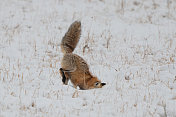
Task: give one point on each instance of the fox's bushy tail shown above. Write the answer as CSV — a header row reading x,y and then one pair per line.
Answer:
x,y
71,38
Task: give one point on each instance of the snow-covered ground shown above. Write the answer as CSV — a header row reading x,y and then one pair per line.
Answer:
x,y
129,44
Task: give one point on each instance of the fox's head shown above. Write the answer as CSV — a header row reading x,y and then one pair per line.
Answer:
x,y
94,83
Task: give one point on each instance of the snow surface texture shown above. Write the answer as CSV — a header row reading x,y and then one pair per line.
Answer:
x,y
129,44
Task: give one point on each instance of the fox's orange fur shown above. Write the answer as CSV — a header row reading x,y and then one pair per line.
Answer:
x,y
74,67
84,81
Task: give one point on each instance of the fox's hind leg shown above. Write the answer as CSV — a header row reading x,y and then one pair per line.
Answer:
x,y
65,76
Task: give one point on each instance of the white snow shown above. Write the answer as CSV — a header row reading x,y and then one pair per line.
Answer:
x,y
129,44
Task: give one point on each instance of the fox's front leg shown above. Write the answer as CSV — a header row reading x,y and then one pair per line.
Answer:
x,y
65,77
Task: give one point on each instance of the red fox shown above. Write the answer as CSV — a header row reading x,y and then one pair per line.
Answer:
x,y
74,67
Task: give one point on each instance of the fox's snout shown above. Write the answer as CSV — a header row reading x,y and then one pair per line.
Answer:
x,y
102,84
98,83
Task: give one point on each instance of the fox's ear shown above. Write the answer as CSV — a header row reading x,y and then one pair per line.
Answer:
x,y
103,84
